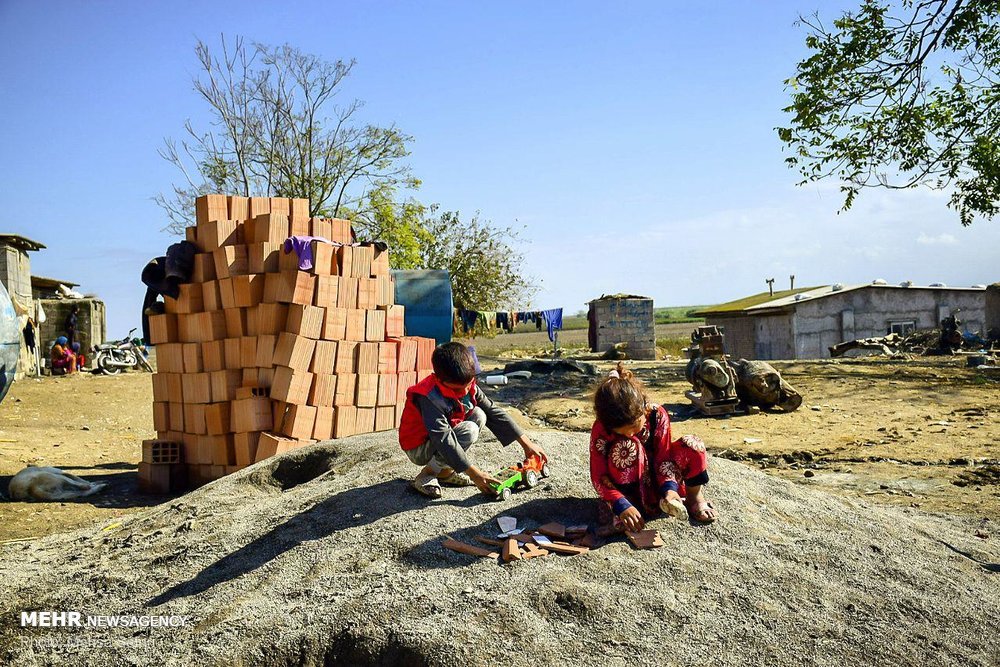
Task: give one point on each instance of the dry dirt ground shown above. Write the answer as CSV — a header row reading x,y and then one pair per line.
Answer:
x,y
920,433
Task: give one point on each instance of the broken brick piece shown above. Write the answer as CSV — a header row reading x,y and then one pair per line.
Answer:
x,y
554,530
566,549
531,550
490,541
510,550
469,549
644,539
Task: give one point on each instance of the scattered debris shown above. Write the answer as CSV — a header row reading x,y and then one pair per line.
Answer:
x,y
644,539
531,550
511,551
553,530
759,384
470,549
543,367
525,545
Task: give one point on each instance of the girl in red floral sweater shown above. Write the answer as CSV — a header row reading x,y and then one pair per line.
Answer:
x,y
637,468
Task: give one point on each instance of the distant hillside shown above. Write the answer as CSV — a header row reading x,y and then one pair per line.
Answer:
x,y
677,314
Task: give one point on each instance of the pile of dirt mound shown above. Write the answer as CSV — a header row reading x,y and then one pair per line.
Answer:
x,y
324,556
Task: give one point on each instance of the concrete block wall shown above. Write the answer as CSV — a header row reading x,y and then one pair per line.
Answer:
x,y
627,321
740,335
819,323
15,273
992,314
91,324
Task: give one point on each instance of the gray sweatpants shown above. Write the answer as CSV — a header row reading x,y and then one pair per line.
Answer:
x,y
466,433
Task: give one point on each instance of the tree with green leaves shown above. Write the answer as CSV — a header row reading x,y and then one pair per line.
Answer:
x,y
276,130
483,260
901,95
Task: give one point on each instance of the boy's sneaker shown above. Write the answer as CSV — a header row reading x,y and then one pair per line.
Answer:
x,y
427,484
456,479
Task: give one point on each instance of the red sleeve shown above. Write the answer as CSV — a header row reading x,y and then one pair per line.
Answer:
x,y
599,466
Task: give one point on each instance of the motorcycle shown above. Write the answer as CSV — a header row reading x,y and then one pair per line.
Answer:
x,y
111,358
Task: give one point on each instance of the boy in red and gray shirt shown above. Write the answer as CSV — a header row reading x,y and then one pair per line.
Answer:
x,y
443,417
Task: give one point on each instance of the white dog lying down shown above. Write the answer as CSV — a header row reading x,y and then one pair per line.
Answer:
x,y
34,483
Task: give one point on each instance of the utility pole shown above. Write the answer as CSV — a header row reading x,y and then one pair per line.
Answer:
x,y
770,285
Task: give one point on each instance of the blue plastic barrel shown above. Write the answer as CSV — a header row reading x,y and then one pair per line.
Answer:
x,y
426,297
10,342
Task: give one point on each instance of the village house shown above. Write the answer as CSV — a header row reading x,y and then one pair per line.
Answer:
x,y
46,300
803,323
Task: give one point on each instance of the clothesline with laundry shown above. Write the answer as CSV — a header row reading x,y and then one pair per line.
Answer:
x,y
466,321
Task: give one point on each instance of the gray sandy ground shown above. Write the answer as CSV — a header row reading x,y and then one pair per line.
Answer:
x,y
324,556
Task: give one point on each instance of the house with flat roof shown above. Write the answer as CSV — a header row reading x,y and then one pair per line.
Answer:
x,y
803,323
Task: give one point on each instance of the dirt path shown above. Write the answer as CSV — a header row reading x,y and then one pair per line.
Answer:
x,y
88,425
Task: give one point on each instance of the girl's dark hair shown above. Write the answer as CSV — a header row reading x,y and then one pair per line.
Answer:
x,y
619,401
453,363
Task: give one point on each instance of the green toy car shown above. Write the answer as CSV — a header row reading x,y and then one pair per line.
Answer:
x,y
528,473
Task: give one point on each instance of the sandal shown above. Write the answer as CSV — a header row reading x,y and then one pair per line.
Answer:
x,y
456,479
427,485
699,512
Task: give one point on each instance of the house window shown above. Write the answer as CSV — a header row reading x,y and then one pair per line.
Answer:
x,y
902,327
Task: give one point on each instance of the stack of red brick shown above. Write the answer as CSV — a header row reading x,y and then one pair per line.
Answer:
x,y
257,356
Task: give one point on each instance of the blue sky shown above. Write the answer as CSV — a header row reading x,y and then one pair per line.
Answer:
x,y
633,141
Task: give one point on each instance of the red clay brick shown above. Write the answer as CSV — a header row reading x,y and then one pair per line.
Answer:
x,y
263,257
291,386
239,208
335,324
203,268
361,262
347,357
224,384
323,389
294,351
344,421
324,357
326,291
305,320
298,421
237,322
347,384
368,358
230,260
347,292
245,447
162,328
323,430
252,414
367,390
